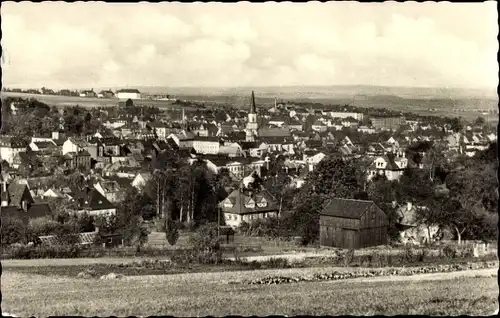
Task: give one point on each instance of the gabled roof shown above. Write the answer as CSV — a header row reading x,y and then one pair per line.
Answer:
x,y
239,198
90,198
346,208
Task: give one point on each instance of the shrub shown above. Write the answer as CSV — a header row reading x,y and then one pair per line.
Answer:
x,y
450,251
348,257
205,244
12,231
43,226
278,262
43,251
407,254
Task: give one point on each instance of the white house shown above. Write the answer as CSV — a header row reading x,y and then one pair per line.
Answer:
x,y
140,180
392,168
313,161
128,94
72,145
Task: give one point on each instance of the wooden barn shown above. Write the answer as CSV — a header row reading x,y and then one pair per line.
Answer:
x,y
346,223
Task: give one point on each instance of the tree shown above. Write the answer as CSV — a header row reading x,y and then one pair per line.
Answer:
x,y
13,230
480,121
332,178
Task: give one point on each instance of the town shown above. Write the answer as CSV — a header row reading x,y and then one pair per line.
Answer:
x,y
248,160
91,161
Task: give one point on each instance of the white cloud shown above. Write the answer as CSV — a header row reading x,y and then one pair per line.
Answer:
x,y
93,44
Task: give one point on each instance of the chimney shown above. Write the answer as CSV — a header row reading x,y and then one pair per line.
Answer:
x,y
55,135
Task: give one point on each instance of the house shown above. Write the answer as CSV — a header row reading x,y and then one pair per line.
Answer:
x,y
80,159
128,94
42,146
90,93
183,140
17,202
390,166
141,180
319,126
74,145
247,204
411,230
10,147
110,189
314,160
160,129
346,223
106,94
91,201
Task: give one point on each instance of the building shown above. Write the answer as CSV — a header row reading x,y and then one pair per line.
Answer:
x,y
10,147
106,94
206,145
141,180
346,223
390,166
357,116
247,204
17,202
252,125
91,201
90,93
128,94
387,123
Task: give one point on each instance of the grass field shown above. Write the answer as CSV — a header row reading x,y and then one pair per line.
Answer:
x,y
209,294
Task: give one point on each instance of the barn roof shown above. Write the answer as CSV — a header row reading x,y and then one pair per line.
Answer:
x,y
346,208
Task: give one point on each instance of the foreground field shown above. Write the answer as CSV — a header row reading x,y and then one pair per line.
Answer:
x,y
468,293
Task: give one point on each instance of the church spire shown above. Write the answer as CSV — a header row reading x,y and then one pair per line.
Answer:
x,y
253,109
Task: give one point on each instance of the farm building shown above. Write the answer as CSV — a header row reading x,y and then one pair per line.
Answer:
x,y
128,93
346,223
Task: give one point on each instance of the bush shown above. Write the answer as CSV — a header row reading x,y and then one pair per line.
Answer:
x,y
43,226
13,230
205,244
450,251
348,257
43,251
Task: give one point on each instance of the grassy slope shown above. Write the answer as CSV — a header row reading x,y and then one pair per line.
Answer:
x,y
207,294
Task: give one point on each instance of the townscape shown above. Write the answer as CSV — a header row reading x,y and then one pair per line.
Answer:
x,y
158,194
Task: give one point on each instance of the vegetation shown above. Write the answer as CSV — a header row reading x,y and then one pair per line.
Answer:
x,y
208,294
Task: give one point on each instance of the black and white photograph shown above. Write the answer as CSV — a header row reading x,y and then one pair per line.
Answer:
x,y
249,159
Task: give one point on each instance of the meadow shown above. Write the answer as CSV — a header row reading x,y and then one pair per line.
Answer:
x,y
26,294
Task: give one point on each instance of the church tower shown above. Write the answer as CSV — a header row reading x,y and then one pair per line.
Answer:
x,y
252,125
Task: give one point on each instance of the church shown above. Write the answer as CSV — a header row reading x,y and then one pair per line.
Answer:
x,y
252,125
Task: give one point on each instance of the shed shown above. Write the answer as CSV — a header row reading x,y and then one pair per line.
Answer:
x,y
346,223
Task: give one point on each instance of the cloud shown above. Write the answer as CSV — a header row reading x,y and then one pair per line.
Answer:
x,y
99,44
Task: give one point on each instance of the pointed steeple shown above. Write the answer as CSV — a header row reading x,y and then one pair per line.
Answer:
x,y
253,109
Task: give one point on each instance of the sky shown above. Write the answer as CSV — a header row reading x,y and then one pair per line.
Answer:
x,y
83,45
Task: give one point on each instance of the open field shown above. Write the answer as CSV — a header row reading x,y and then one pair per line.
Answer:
x,y
468,293
65,101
